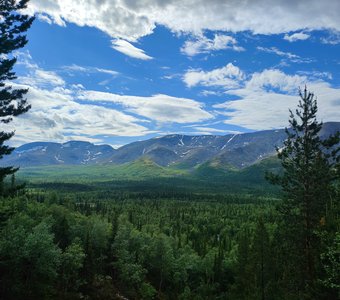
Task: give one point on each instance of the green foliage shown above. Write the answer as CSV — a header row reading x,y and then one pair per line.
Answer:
x,y
155,239
12,101
309,172
72,260
331,263
129,248
29,259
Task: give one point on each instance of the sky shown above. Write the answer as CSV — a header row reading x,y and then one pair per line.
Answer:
x,y
118,71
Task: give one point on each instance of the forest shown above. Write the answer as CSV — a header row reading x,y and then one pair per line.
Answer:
x,y
141,241
76,244
169,239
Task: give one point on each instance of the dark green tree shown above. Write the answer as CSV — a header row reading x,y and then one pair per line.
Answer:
x,y
72,260
262,262
13,26
29,260
309,171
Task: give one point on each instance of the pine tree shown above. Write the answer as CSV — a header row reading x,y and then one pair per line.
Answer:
x,y
261,260
13,25
307,183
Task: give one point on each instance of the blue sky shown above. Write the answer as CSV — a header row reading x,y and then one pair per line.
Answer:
x,y
119,71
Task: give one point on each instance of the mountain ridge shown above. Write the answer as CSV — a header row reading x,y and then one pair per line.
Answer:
x,y
175,151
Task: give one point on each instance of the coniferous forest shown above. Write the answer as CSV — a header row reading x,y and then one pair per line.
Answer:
x,y
67,243
64,241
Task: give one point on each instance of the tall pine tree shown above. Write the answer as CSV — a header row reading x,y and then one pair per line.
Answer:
x,y
13,26
309,171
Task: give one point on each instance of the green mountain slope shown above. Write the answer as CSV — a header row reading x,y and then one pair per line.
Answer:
x,y
144,175
138,170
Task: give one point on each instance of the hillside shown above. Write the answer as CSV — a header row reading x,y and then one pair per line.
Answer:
x,y
179,151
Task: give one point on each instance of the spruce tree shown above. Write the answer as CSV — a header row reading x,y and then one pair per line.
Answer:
x,y
13,26
309,170
262,261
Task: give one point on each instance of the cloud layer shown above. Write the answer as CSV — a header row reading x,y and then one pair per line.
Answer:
x,y
264,100
130,20
62,112
257,101
160,108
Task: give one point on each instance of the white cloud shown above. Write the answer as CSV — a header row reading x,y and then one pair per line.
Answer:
x,y
86,69
276,51
228,77
275,80
202,44
298,36
57,116
130,50
45,18
160,108
287,55
207,93
106,71
332,39
264,100
208,130
38,77
131,20
315,75
112,17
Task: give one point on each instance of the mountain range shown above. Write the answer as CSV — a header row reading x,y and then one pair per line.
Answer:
x,y
232,151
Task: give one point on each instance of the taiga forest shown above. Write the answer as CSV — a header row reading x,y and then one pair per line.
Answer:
x,y
245,212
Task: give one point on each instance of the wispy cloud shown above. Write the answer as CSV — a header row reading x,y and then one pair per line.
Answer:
x,y
332,39
208,130
87,69
129,49
38,77
202,44
278,52
288,56
159,108
297,36
208,93
56,115
316,75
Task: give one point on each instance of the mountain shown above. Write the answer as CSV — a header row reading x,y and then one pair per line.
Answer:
x,y
70,153
232,151
181,151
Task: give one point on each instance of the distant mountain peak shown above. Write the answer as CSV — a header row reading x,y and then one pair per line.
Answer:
x,y
177,150
69,153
